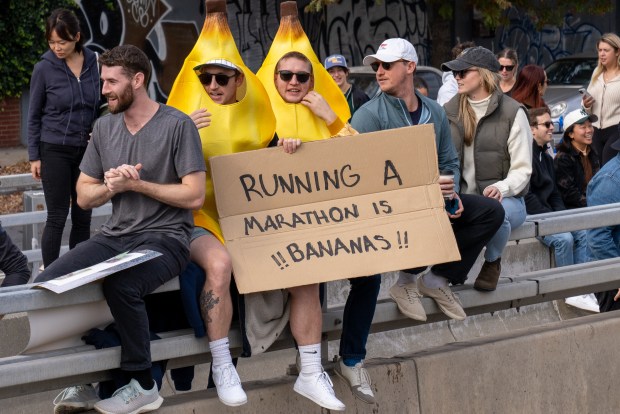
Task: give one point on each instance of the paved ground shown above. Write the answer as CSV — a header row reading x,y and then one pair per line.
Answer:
x,y
13,155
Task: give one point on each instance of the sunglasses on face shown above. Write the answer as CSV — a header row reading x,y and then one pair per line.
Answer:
x,y
220,78
509,68
384,65
546,124
287,75
462,73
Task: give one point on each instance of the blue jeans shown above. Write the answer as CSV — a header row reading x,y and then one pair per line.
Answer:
x,y
478,223
514,207
568,248
124,290
357,317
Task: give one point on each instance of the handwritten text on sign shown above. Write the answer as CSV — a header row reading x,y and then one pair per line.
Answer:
x,y
335,209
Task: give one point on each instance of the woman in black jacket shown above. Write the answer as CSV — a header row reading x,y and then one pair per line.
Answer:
x,y
576,162
64,100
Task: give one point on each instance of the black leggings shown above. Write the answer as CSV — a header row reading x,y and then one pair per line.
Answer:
x,y
602,140
60,169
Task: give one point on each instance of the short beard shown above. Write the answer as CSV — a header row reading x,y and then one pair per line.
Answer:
x,y
124,101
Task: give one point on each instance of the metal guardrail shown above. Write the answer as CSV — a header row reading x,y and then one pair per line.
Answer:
x,y
28,374
18,182
56,369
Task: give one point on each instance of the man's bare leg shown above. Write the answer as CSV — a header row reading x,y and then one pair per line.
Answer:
x,y
216,310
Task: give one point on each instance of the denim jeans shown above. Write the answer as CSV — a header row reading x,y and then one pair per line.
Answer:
x,y
568,248
12,262
357,317
60,169
125,290
480,220
514,208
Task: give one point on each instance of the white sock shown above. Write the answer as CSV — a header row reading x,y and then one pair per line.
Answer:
x,y
433,281
406,278
310,358
220,352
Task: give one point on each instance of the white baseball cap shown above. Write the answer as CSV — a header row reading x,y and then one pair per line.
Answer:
x,y
578,116
392,50
227,64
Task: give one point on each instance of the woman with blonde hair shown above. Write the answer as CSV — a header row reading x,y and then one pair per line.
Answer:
x,y
603,97
491,132
508,67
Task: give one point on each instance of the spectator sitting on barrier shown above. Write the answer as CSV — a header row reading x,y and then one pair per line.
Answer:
x,y
474,222
294,82
576,162
13,263
337,67
146,158
493,139
543,197
604,242
220,79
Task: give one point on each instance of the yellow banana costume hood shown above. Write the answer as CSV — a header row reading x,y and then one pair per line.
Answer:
x,y
295,120
245,125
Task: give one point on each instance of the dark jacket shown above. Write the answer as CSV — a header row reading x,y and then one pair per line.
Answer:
x,y
62,107
543,196
570,177
355,98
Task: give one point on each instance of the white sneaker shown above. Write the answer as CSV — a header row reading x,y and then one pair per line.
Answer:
x,y
407,297
358,379
131,399
586,302
75,399
318,388
228,385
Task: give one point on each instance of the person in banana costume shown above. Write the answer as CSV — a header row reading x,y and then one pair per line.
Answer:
x,y
229,105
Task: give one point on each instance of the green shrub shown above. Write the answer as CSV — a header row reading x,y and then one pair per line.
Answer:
x,y
22,30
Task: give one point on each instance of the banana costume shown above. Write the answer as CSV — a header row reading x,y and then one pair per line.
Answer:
x,y
245,125
295,120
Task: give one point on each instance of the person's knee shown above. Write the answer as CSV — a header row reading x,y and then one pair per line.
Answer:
x,y
218,273
307,293
367,283
562,241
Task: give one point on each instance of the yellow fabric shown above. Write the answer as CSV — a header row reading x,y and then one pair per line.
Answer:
x,y
295,120
245,125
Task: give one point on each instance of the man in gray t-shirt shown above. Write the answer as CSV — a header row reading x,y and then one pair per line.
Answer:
x,y
147,159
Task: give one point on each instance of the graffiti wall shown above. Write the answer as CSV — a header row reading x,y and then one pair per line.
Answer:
x,y
578,34
167,29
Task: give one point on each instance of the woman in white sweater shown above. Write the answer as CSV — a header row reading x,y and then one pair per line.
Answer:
x,y
492,134
603,99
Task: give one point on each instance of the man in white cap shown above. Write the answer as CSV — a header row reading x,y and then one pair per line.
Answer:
x,y
220,79
337,67
474,222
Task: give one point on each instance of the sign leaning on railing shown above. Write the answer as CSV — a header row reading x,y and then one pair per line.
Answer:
x,y
336,209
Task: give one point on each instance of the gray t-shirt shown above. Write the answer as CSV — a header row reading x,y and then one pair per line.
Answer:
x,y
168,147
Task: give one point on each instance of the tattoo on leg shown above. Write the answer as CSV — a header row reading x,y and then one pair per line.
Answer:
x,y
207,302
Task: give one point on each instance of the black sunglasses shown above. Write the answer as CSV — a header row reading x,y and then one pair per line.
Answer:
x,y
509,68
287,75
220,78
546,124
385,65
462,73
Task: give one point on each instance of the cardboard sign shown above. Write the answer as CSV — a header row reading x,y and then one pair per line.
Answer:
x,y
336,209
